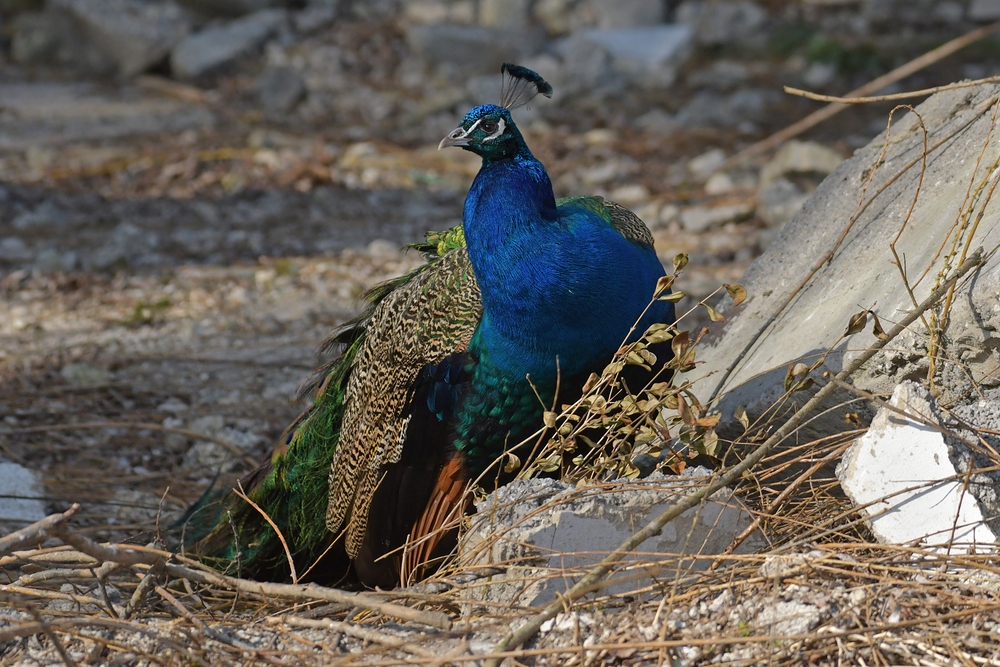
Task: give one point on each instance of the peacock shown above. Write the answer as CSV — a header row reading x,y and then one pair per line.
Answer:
x,y
449,366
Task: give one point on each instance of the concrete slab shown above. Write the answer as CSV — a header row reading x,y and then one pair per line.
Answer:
x,y
546,534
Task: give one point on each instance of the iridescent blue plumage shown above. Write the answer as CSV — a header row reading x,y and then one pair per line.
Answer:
x,y
561,287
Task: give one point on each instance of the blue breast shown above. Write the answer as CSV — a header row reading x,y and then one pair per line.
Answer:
x,y
555,281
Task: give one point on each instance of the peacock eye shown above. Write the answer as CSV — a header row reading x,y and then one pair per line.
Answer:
x,y
489,126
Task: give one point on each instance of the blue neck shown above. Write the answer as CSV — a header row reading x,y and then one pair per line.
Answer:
x,y
539,273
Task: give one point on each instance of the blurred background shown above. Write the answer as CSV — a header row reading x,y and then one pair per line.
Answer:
x,y
193,193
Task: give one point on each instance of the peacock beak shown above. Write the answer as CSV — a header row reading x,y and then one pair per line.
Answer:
x,y
457,137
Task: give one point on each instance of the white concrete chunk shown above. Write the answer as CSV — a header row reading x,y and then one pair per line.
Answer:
x,y
901,472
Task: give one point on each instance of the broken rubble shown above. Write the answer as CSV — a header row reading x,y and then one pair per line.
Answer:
x,y
547,533
213,48
907,477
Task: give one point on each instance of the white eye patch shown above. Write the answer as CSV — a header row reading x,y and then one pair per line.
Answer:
x,y
501,126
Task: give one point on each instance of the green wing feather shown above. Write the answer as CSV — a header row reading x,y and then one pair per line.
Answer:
x,y
625,221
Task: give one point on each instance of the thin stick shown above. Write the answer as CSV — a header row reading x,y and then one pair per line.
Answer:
x,y
831,110
133,556
35,531
358,631
288,552
527,630
910,94
201,625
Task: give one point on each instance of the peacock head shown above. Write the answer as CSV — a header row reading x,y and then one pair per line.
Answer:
x,y
489,130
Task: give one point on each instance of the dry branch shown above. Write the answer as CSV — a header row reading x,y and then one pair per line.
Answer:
x,y
358,631
908,95
55,526
36,531
831,110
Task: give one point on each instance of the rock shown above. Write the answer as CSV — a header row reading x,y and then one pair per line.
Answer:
x,y
949,12
719,183
903,476
472,49
801,157
46,215
721,75
14,249
568,16
280,89
702,218
207,456
217,47
625,13
554,15
127,244
741,109
783,618
984,10
133,35
630,195
819,75
426,12
314,18
647,56
173,405
21,497
37,37
779,201
657,121
230,8
547,532
586,70
51,260
85,375
721,22
704,165
134,508
509,14
861,272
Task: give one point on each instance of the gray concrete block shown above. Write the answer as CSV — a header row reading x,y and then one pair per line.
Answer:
x,y
546,533
861,272
216,47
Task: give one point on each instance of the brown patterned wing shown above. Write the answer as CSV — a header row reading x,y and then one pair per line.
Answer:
x,y
628,223
419,323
